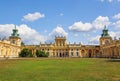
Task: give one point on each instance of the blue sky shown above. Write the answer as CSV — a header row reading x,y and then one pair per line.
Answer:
x,y
78,20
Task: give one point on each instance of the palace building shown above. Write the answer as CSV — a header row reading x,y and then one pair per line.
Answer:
x,y
12,46
109,48
60,48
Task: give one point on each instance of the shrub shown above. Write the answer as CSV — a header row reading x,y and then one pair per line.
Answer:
x,y
41,54
26,53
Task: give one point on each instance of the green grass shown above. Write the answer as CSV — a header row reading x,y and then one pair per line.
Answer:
x,y
57,69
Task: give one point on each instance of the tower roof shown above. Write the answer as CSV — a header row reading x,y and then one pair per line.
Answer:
x,y
15,32
105,32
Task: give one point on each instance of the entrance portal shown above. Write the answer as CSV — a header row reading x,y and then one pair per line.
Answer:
x,y
63,55
90,53
60,55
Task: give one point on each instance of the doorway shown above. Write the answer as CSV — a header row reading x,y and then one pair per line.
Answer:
x,y
90,53
60,55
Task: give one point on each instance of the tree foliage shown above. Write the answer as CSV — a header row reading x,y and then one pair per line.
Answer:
x,y
26,53
22,43
41,53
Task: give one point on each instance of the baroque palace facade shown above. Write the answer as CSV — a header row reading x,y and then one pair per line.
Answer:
x,y
60,48
11,47
109,48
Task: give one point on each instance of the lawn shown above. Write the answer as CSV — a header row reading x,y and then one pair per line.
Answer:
x,y
59,69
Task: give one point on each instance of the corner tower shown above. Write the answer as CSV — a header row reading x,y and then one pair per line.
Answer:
x,y
14,38
105,37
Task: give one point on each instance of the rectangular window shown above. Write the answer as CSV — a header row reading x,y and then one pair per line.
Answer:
x,y
48,49
57,54
71,49
77,50
13,41
71,53
77,53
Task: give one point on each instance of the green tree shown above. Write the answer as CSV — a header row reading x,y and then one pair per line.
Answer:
x,y
41,54
26,53
22,43
30,53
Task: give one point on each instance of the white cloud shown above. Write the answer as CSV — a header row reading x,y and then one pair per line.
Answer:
x,y
94,40
45,31
33,16
6,30
28,35
116,0
100,22
117,16
76,35
79,26
61,14
112,34
58,31
117,24
97,24
110,0
102,0
86,35
118,34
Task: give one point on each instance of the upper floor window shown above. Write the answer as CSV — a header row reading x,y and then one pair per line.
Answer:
x,y
60,43
77,50
13,41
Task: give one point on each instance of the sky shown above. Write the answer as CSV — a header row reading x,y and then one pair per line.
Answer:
x,y
81,21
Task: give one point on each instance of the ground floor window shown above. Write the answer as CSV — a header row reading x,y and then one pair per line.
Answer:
x,y
53,54
57,54
48,53
66,53
77,53
71,53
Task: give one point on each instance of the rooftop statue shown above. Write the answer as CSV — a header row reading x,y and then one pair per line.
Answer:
x,y
15,32
105,32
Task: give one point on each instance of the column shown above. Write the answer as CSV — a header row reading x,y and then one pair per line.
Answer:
x,y
0,50
119,51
